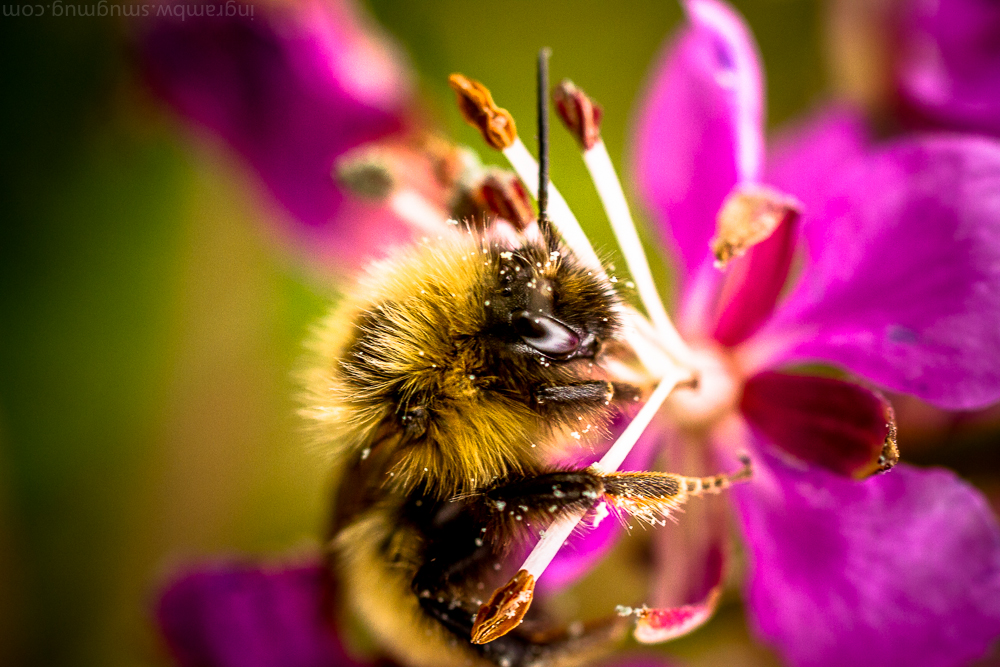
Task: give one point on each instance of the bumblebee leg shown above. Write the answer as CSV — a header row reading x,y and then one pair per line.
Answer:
x,y
545,495
652,496
591,393
460,549
463,534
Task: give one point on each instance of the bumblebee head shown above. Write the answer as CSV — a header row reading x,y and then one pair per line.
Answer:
x,y
544,304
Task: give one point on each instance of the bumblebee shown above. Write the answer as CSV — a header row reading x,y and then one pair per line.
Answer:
x,y
441,387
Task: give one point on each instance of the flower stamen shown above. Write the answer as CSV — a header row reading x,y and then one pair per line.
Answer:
x,y
475,94
582,118
504,195
479,110
371,174
749,215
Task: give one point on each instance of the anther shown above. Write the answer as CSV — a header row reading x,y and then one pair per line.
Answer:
x,y
479,110
379,173
578,112
505,609
749,215
504,196
366,173
889,456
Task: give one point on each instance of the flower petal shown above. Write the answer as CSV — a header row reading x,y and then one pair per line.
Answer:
x,y
245,615
662,625
905,272
751,284
949,67
838,425
901,569
700,126
290,88
689,555
804,158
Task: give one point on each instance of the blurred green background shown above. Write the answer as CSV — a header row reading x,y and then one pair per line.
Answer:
x,y
148,326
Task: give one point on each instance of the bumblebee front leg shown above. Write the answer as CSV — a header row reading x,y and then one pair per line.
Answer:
x,y
460,548
652,496
594,393
544,496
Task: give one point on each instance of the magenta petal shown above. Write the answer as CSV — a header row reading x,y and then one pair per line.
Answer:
x,y
949,67
901,569
662,625
804,158
838,425
289,88
244,615
699,127
690,567
753,282
902,288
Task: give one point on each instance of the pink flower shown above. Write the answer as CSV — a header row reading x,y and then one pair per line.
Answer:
x,y
948,66
292,88
900,287
244,614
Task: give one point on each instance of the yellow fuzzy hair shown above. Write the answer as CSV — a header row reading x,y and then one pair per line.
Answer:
x,y
427,300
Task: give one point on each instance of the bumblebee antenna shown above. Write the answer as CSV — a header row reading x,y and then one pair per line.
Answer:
x,y
544,224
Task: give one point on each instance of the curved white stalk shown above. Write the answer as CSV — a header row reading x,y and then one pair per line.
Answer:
x,y
423,216
609,189
567,224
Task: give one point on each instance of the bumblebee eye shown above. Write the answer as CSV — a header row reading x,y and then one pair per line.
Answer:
x,y
545,334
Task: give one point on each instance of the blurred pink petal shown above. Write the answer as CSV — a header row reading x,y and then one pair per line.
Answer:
x,y
699,128
901,569
949,63
835,424
241,614
902,288
290,88
805,157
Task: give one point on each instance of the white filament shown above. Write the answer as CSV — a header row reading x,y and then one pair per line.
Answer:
x,y
612,196
421,215
527,168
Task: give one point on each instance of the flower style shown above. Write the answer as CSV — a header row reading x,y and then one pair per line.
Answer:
x,y
898,288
